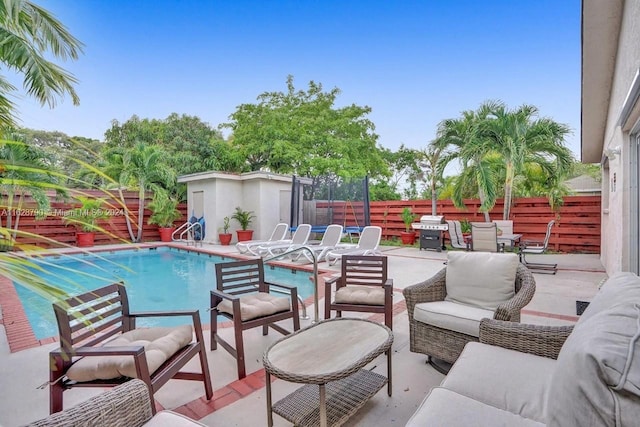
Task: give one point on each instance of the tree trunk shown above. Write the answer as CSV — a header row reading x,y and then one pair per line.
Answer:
x,y
508,190
127,218
140,213
487,218
434,200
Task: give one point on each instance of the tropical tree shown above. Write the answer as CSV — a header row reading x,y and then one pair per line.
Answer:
x,y
30,35
432,169
301,132
191,145
521,138
24,171
463,140
141,167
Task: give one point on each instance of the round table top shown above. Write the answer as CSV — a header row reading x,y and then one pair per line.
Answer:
x,y
329,350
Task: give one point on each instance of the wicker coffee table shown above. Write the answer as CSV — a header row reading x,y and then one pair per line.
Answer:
x,y
328,357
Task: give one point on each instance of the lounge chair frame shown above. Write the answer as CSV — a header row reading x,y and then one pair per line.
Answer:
x,y
103,315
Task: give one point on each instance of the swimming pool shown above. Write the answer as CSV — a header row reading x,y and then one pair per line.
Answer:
x,y
157,279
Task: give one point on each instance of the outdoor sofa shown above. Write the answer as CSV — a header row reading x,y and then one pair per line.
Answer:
x,y
531,375
126,405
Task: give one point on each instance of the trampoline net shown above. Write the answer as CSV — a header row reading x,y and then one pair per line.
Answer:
x,y
325,200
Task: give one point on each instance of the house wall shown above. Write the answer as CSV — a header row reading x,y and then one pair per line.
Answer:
x,y
616,171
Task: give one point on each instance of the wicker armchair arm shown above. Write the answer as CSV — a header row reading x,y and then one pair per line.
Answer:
x,y
510,310
127,404
539,340
432,289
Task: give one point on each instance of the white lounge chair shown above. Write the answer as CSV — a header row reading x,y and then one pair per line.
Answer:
x,y
367,245
277,235
330,241
300,238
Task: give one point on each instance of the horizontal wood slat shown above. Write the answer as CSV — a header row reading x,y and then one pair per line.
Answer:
x,y
577,226
52,225
577,223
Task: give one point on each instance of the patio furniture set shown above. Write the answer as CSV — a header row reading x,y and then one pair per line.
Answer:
x,y
477,295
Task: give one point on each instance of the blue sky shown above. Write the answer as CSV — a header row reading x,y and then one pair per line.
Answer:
x,y
414,63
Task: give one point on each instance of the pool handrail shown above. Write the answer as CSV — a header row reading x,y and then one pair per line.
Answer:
x,y
188,228
316,313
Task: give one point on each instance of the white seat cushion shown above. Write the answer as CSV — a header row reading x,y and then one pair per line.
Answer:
x,y
506,379
257,305
170,419
360,294
159,345
452,316
481,279
446,408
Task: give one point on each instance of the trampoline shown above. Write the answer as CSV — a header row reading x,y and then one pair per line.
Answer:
x,y
325,200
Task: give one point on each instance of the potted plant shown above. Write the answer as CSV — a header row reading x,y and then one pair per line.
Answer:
x,y
164,212
408,236
86,218
224,235
244,218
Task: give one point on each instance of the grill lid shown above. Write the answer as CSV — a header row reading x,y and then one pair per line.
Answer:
x,y
432,219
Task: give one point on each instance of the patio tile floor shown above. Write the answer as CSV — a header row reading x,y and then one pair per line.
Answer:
x,y
24,368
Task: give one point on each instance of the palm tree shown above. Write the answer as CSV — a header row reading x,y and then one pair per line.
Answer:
x,y
464,140
432,171
29,35
521,138
141,167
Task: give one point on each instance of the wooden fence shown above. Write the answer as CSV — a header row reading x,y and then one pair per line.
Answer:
x,y
577,223
53,226
577,226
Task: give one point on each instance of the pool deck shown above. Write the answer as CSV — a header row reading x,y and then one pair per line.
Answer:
x,y
24,361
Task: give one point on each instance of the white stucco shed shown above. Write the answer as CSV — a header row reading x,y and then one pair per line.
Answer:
x,y
215,195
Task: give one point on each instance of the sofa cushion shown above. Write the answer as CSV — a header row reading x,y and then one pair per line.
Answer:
x,y
159,345
619,288
444,407
257,305
481,279
452,316
171,419
597,379
360,294
506,379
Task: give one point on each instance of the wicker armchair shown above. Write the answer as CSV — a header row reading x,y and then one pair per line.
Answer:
x,y
126,405
445,344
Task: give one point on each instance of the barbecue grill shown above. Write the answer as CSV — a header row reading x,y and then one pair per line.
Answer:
x,y
431,229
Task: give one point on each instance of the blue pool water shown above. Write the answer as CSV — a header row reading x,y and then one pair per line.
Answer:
x,y
162,279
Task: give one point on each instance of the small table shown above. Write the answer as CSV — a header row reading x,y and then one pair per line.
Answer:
x,y
512,239
328,358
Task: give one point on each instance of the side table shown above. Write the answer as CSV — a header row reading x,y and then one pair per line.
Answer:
x,y
328,357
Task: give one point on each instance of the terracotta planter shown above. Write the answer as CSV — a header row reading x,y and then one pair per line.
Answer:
x,y
85,239
225,238
165,233
244,235
408,238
